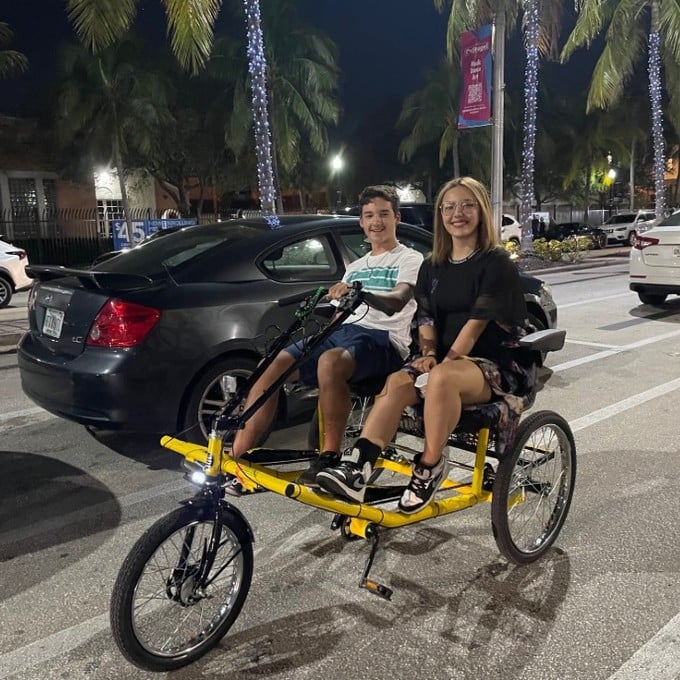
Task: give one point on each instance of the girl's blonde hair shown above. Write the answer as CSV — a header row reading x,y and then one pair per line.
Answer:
x,y
487,233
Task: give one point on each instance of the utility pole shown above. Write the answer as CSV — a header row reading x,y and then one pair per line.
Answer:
x,y
498,119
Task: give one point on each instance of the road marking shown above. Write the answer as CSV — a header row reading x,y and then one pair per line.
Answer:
x,y
611,352
624,405
52,646
657,659
588,301
586,343
21,414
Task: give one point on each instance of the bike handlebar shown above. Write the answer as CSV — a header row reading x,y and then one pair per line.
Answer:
x,y
356,295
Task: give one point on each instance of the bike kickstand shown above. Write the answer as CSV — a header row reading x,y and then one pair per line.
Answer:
x,y
373,586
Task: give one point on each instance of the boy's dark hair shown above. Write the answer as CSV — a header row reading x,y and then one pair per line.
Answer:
x,y
383,191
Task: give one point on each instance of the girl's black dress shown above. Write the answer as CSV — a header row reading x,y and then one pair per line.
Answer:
x,y
486,286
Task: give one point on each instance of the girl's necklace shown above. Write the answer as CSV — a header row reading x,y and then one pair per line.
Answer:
x,y
465,259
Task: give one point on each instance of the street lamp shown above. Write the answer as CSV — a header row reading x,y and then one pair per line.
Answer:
x,y
611,174
337,164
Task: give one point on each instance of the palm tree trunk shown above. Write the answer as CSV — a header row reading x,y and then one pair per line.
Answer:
x,y
258,68
631,175
654,57
530,106
120,171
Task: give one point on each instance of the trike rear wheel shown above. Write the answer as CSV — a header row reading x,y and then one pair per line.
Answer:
x,y
533,487
163,614
359,411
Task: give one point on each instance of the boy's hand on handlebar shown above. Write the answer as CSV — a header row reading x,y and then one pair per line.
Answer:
x,y
338,290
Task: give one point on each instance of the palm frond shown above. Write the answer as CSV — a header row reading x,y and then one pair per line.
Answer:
x,y
12,63
669,27
591,18
99,23
616,64
190,25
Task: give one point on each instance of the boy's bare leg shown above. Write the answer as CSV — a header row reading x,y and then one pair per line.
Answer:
x,y
248,437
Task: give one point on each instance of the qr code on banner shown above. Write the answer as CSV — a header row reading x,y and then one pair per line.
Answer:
x,y
474,93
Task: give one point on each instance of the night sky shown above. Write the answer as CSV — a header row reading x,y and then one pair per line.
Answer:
x,y
385,46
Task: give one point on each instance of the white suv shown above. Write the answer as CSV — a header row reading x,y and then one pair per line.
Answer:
x,y
623,227
13,277
511,229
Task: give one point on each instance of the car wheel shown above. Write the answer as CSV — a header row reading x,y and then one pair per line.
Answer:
x,y
515,241
631,239
210,391
600,241
652,298
6,291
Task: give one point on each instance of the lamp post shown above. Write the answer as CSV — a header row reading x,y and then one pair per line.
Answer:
x,y
337,164
611,174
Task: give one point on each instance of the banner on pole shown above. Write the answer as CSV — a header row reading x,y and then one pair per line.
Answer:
x,y
475,100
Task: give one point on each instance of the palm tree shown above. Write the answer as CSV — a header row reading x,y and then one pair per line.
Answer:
x,y
625,22
301,87
541,21
108,104
99,23
11,61
431,115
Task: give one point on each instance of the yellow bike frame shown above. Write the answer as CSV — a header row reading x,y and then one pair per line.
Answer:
x,y
213,461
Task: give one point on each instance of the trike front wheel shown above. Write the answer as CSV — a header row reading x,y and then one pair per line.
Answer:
x,y
169,606
533,487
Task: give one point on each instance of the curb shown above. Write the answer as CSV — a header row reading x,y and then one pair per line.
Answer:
x,y
8,343
586,264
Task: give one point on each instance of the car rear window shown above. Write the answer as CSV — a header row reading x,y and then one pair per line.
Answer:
x,y
176,251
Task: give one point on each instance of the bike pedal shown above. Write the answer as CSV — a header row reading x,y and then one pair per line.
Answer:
x,y
376,588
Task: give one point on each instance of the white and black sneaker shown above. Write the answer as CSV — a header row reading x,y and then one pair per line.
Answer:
x,y
327,459
425,480
349,479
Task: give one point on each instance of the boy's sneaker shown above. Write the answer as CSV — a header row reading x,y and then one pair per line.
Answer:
x,y
327,459
425,480
348,480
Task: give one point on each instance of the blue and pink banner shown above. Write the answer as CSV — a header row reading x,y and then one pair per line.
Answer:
x,y
476,62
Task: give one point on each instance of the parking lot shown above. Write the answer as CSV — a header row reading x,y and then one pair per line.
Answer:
x,y
603,604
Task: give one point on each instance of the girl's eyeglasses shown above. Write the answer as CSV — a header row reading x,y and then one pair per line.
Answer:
x,y
465,206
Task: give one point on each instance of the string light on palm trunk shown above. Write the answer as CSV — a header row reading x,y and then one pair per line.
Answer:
x,y
257,66
530,107
654,62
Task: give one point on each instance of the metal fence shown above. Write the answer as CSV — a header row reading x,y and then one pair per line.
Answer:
x,y
564,212
71,238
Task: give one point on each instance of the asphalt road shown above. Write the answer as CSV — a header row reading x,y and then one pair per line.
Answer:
x,y
604,604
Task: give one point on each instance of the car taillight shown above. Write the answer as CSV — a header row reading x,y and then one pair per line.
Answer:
x,y
21,254
642,242
121,324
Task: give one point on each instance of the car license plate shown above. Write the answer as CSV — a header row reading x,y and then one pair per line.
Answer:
x,y
54,320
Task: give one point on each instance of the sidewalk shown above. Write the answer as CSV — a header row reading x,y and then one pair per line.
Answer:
x,y
591,258
14,320
13,324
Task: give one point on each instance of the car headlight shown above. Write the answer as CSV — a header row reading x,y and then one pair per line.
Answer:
x,y
545,293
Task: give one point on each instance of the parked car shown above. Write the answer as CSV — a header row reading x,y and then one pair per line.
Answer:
x,y
623,227
654,271
563,230
13,276
154,340
418,214
511,229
